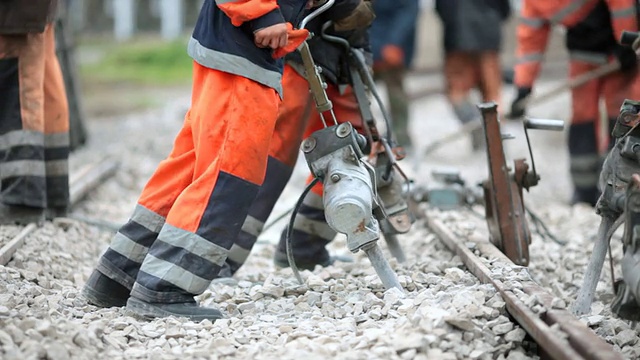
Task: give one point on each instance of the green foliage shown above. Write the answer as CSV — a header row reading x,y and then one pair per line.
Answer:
x,y
142,61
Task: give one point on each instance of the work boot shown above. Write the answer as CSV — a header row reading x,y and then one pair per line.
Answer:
x,y
189,310
280,260
624,305
104,292
20,215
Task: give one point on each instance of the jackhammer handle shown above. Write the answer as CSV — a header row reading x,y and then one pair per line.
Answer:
x,y
544,124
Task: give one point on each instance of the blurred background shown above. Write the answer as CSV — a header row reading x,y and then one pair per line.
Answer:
x,y
131,54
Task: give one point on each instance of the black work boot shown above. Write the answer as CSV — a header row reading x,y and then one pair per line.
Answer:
x,y
20,215
54,212
280,260
103,292
624,305
189,310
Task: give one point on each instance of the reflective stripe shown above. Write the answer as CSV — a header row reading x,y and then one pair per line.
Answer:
x,y
57,167
313,227
585,180
147,218
234,64
193,243
314,201
238,254
21,138
175,275
588,57
32,138
56,140
620,13
566,11
535,23
528,58
22,168
584,162
252,226
128,248
220,2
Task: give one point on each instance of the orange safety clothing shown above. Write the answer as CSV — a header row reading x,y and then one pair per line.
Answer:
x,y
465,71
538,18
195,203
34,122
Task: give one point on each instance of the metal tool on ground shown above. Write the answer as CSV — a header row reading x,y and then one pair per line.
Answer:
x,y
622,162
504,205
467,128
336,156
447,191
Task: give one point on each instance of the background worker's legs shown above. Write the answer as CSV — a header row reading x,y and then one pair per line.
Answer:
x,y
490,76
293,117
311,233
393,79
461,76
584,157
33,123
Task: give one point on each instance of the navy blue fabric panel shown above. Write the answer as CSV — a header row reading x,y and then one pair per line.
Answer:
x,y
10,116
245,241
311,213
56,153
138,233
185,259
582,139
164,291
277,177
57,191
227,209
123,263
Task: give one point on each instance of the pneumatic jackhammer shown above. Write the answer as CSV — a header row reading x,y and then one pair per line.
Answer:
x,y
363,192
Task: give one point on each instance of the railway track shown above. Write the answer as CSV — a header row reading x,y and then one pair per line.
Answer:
x,y
81,182
559,333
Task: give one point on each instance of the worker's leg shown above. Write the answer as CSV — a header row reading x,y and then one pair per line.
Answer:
x,y
490,76
23,182
232,122
462,75
293,116
584,157
56,129
393,78
311,233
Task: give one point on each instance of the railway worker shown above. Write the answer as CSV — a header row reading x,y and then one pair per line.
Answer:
x,y
393,34
191,210
34,118
593,30
472,39
298,118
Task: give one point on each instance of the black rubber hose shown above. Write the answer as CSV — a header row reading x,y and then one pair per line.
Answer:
x,y
290,258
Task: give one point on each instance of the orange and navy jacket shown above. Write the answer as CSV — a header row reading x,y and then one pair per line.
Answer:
x,y
593,30
223,37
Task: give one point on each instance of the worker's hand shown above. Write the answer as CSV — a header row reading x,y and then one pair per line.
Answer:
x,y
518,108
626,57
273,36
360,18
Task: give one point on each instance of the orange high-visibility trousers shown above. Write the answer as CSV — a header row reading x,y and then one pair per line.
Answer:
x,y
34,122
193,207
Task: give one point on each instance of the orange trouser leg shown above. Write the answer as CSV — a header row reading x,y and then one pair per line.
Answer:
x,y
293,116
462,74
34,142
230,125
583,145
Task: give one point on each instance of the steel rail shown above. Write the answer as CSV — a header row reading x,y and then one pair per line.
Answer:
x,y
580,343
